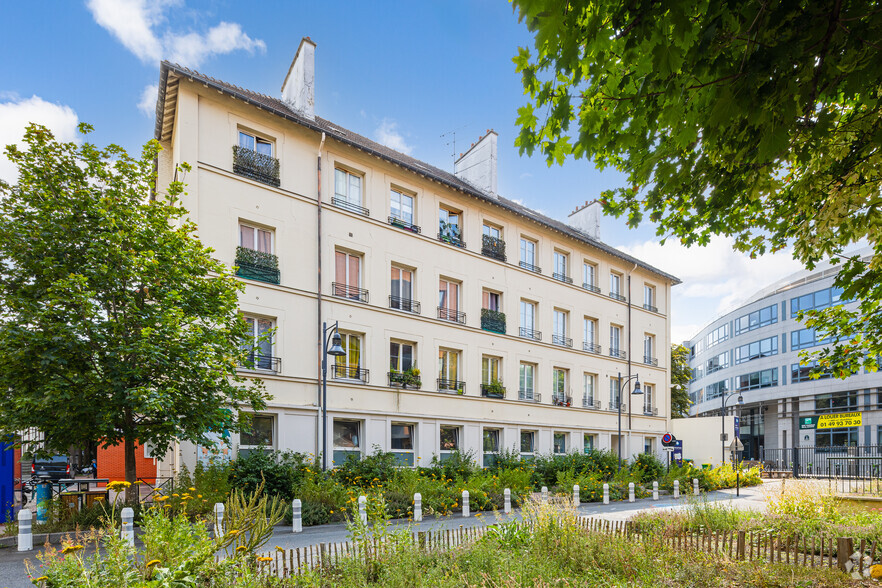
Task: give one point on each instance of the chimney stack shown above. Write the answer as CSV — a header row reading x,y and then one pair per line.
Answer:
x,y
298,89
586,218
477,166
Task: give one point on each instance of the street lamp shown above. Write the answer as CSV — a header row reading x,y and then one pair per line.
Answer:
x,y
336,349
635,392
723,418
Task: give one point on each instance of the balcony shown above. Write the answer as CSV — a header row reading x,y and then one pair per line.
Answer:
x,y
561,340
650,360
449,314
403,224
650,307
614,407
257,265
350,206
452,235
405,304
256,361
350,292
531,334
493,390
406,379
588,402
562,278
529,266
493,247
349,372
493,321
618,353
650,411
617,296
453,386
591,347
256,166
529,396
561,400
591,287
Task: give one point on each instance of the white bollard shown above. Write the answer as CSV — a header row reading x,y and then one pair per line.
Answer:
x,y
128,524
507,504
695,486
676,489
417,507
544,493
630,491
218,519
606,493
465,503
297,516
362,509
576,500
25,534
655,490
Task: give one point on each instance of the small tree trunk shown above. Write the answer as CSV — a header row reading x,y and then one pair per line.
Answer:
x,y
129,457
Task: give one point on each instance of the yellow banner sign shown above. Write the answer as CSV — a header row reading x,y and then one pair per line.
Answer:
x,y
844,419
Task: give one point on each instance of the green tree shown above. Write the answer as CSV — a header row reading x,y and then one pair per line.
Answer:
x,y
681,374
756,120
117,326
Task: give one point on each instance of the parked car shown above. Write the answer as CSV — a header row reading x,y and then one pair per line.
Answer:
x,y
57,466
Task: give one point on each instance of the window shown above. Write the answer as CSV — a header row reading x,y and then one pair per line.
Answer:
x,y
347,191
528,255
802,372
254,257
492,317
648,445
490,300
561,267
762,348
614,394
758,318
259,433
258,344
527,377
588,442
347,276
401,356
349,366
589,334
820,299
448,370
649,350
649,399
347,440
528,320
588,390
491,446
489,369
528,442
615,338
830,438
449,226
448,301
401,207
716,389
559,387
804,338
560,329
449,440
560,442
402,290
589,276
716,336
649,298
837,402
402,443
255,143
255,238
492,231
717,362
615,284
755,380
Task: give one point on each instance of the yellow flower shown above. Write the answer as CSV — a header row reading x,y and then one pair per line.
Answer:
x,y
264,558
192,489
41,578
118,484
235,532
152,562
280,549
161,498
240,548
71,549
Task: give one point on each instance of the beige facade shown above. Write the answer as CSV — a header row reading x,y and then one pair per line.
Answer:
x,y
200,121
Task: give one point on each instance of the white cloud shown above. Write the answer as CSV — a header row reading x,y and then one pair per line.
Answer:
x,y
147,105
387,134
136,24
17,113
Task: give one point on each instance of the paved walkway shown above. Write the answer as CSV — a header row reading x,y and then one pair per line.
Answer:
x,y
13,575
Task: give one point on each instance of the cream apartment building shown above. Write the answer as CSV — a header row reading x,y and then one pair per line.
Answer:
x,y
519,325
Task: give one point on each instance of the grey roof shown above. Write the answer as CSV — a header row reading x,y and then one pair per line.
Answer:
x,y
169,73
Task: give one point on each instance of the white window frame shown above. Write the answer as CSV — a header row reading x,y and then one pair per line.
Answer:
x,y
348,176
554,437
589,330
527,247
589,274
560,322
524,314
615,338
256,241
458,434
615,283
273,432
561,263
401,195
527,375
532,435
487,363
256,142
589,384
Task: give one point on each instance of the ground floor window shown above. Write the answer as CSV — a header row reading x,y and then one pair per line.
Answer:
x,y
649,445
491,446
347,441
528,443
260,434
403,442
836,438
449,439
560,442
589,443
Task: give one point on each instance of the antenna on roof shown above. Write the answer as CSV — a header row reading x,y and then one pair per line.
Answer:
x,y
452,141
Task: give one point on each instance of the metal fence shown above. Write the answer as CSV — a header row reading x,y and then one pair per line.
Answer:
x,y
856,461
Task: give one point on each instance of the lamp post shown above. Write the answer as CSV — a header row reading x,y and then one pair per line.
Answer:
x,y
336,350
723,419
635,392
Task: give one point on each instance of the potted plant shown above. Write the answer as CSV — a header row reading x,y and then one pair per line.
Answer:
x,y
411,377
494,389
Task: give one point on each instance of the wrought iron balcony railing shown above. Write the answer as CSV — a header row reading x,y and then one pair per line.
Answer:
x,y
449,314
493,320
589,402
617,296
650,360
650,411
403,224
257,265
650,307
531,334
256,361
561,340
350,206
561,400
446,385
493,247
351,292
562,278
529,266
451,237
614,406
256,166
404,380
490,391
618,353
529,396
591,347
591,287
349,372
405,304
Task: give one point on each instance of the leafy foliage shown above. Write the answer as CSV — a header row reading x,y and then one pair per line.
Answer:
x,y
681,374
759,121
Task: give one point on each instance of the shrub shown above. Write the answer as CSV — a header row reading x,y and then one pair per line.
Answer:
x,y
280,471
647,467
379,466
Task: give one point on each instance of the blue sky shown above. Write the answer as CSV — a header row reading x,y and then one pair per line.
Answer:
x,y
402,73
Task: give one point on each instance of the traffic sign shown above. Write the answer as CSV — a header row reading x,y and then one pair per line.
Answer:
x,y
668,440
671,449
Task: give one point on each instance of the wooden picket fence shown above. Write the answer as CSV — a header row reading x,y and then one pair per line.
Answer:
x,y
736,545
